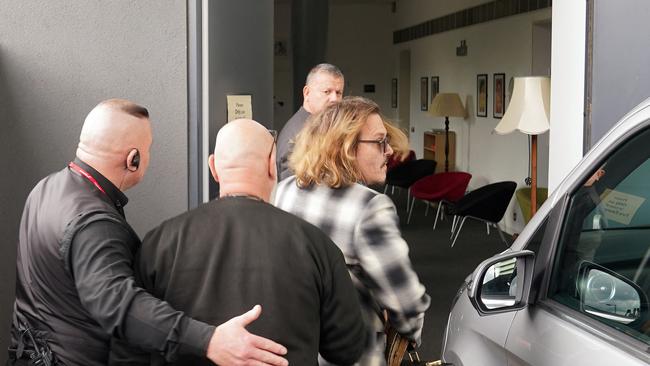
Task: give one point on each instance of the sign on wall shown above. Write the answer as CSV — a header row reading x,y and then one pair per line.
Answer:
x,y
239,106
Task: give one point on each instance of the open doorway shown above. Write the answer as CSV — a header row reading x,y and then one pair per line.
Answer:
x,y
214,74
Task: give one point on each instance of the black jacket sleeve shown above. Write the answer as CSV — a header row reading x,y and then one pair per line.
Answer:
x,y
344,336
101,259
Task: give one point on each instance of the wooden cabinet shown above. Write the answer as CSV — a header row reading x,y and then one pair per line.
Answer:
x,y
434,149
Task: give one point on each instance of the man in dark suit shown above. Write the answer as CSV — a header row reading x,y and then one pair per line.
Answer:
x,y
75,285
324,86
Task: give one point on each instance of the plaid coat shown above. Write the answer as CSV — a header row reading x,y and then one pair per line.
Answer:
x,y
364,225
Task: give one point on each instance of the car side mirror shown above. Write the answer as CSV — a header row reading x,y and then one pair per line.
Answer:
x,y
502,282
608,295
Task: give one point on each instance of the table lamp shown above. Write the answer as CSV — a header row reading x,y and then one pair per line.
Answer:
x,y
447,105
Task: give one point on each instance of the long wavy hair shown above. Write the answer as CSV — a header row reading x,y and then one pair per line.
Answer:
x,y
325,149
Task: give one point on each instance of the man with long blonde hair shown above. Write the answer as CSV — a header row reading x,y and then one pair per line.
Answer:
x,y
340,153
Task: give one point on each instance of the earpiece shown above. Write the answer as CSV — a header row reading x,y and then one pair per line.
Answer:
x,y
136,159
134,156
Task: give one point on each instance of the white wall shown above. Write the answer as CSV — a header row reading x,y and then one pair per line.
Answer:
x,y
412,12
499,46
360,43
567,88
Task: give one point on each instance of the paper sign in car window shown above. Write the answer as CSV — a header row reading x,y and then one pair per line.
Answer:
x,y
620,207
239,106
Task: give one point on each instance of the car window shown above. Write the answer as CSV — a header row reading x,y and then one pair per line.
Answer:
x,y
602,265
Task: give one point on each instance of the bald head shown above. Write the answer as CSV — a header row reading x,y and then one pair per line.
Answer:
x,y
113,134
243,160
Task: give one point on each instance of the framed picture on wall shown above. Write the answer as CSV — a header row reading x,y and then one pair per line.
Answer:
x,y
481,95
393,93
424,93
435,87
499,107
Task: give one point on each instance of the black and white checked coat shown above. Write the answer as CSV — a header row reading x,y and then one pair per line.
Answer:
x,y
364,225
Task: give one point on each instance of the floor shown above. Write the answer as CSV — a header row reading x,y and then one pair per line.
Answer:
x,y
441,268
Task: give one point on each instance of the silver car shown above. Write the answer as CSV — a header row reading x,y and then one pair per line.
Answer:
x,y
573,288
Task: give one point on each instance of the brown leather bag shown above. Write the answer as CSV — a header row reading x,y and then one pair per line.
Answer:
x,y
397,347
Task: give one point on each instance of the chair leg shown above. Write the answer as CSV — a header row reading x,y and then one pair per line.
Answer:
x,y
501,235
386,188
435,222
408,221
408,204
460,227
426,213
408,197
453,226
487,226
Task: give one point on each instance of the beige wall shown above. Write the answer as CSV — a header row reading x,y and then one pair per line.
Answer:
x,y
500,46
411,12
360,43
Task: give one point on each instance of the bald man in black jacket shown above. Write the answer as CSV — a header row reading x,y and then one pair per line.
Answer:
x,y
75,286
221,258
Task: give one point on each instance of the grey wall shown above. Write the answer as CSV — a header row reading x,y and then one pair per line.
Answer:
x,y
240,36
309,23
621,55
57,61
241,57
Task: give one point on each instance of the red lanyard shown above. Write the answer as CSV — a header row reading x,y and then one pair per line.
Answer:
x,y
85,174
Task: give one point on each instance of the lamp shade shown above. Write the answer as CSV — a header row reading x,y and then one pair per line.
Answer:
x,y
529,107
447,105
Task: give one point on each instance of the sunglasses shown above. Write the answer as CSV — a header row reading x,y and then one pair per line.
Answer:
x,y
383,143
274,134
